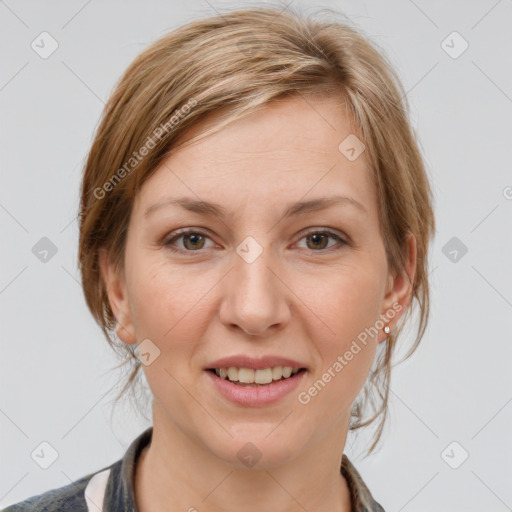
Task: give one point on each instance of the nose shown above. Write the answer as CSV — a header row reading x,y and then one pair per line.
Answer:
x,y
256,299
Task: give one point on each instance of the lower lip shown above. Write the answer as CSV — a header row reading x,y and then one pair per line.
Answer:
x,y
257,395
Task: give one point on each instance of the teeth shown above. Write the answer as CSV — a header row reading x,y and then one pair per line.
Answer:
x,y
250,376
263,376
287,371
232,373
277,372
245,375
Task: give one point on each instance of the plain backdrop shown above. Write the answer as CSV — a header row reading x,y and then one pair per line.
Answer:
x,y
447,445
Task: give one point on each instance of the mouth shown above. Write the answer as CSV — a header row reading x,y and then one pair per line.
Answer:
x,y
254,393
248,377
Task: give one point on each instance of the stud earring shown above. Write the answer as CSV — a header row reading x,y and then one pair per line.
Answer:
x,y
387,329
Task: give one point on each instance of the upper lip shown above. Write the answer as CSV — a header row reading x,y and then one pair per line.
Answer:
x,y
244,361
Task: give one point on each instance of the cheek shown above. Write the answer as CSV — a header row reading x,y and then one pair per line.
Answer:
x,y
155,301
350,302
351,307
169,308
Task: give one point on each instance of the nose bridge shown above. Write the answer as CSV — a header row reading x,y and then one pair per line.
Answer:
x,y
256,298
252,273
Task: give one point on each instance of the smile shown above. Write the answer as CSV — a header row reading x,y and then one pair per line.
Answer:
x,y
244,376
252,393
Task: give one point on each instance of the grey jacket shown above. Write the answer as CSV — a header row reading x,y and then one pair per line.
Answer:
x,y
111,489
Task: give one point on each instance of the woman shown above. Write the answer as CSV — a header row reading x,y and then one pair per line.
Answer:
x,y
254,226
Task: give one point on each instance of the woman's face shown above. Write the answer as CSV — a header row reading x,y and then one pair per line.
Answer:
x,y
311,286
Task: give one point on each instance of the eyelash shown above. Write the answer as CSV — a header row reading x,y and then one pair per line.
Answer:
x,y
168,243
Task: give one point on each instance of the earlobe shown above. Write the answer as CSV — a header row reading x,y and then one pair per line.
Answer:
x,y
117,296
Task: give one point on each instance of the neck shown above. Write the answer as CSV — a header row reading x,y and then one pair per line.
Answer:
x,y
177,473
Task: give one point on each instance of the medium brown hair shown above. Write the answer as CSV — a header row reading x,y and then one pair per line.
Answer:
x,y
234,63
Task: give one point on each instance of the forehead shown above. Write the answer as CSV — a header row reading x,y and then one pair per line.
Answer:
x,y
286,151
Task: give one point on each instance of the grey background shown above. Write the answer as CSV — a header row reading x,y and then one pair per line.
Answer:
x,y
55,364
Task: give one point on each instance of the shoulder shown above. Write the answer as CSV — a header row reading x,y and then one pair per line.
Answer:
x,y
70,497
110,487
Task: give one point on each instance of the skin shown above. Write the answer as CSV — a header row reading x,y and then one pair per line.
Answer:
x,y
302,298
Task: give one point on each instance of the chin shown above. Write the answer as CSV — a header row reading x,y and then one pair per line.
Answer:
x,y
254,448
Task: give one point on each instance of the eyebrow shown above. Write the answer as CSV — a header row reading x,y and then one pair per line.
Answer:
x,y
216,210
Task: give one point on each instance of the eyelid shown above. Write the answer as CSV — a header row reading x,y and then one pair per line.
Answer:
x,y
329,231
342,240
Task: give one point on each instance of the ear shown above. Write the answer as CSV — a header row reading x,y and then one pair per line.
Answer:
x,y
115,283
399,290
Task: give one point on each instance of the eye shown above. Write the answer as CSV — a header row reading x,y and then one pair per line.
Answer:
x,y
193,241
319,238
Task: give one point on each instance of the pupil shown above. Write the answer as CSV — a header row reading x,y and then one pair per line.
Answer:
x,y
315,237
193,236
